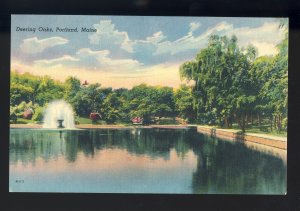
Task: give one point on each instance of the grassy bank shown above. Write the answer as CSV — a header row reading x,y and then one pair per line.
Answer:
x,y
263,129
23,121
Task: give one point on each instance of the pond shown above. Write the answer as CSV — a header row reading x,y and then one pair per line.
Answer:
x,y
139,160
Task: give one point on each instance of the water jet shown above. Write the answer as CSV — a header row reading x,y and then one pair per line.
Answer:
x,y
59,114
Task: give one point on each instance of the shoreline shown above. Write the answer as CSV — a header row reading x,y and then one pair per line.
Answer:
x,y
234,135
90,126
229,134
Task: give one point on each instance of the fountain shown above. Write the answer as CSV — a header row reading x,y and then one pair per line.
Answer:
x,y
59,114
60,123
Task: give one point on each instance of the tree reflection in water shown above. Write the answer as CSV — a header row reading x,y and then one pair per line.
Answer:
x,y
222,167
225,167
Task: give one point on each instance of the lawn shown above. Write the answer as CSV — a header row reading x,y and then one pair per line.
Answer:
x,y
84,120
263,129
22,121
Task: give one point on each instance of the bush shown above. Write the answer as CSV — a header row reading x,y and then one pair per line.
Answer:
x,y
284,123
28,113
95,117
13,117
15,113
76,120
38,114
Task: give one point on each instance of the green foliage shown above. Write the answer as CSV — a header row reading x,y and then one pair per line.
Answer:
x,y
13,114
38,114
149,102
72,86
19,93
110,108
40,90
89,99
232,85
184,102
18,110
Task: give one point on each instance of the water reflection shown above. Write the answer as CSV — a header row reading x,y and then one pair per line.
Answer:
x,y
227,167
140,161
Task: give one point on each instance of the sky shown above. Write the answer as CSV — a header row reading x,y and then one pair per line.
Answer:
x,y
124,51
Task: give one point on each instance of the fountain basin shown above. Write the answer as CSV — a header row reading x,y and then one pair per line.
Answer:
x,y
59,114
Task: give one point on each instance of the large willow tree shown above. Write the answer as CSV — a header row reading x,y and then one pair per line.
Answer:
x,y
223,89
232,85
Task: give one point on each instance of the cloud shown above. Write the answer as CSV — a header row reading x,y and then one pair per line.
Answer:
x,y
264,37
143,50
34,45
162,74
194,26
106,33
60,60
189,41
156,38
146,58
265,48
93,60
157,48
104,61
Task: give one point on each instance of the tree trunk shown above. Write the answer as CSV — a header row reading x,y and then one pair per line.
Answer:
x,y
226,122
230,124
279,122
242,122
271,122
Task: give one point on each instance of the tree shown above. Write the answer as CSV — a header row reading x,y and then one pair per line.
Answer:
x,y
222,89
163,102
260,73
48,90
111,108
20,93
72,86
184,102
149,102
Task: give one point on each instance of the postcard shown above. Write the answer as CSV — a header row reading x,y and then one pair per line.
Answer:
x,y
148,104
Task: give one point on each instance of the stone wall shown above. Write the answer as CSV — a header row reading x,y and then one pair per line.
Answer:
x,y
236,135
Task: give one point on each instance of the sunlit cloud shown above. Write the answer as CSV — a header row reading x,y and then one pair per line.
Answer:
x,y
162,74
104,61
34,45
265,37
60,60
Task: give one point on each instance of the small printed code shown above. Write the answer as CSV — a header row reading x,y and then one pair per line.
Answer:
x,y
19,181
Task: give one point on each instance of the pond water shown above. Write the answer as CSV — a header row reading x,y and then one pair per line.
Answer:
x,y
140,160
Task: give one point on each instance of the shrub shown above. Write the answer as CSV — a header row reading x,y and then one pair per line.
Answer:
x,y
284,123
95,117
28,113
38,114
13,117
